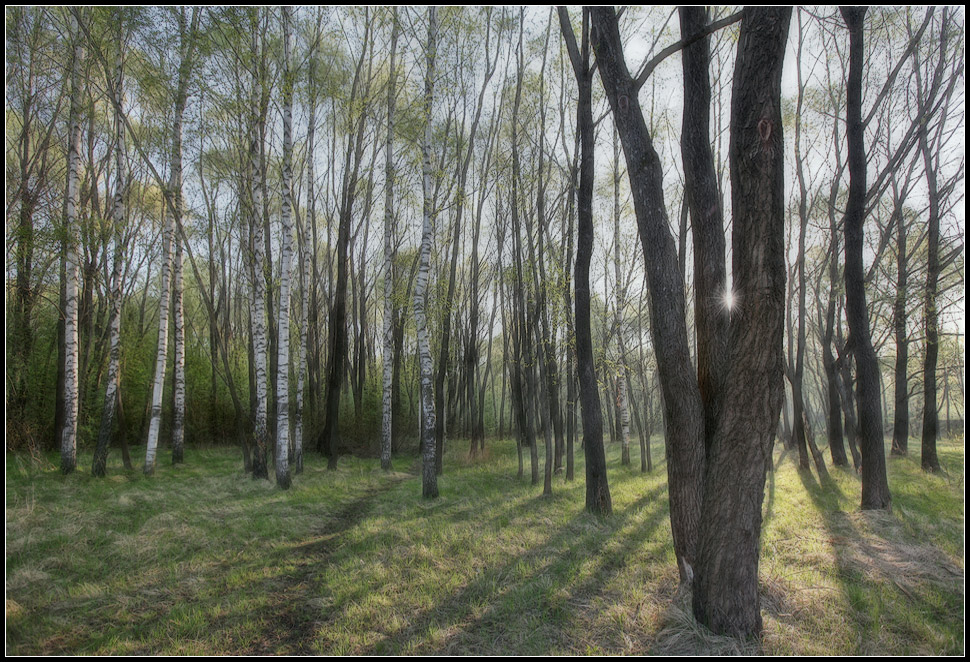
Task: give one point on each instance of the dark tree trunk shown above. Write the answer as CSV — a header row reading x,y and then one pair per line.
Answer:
x,y
598,498
829,363
900,444
327,442
711,317
726,582
683,407
875,486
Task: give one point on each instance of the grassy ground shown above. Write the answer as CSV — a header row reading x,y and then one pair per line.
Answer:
x,y
201,559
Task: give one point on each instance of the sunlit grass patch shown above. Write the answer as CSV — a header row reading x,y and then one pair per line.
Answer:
x,y
201,559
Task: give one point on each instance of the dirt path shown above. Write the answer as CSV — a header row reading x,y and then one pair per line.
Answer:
x,y
289,622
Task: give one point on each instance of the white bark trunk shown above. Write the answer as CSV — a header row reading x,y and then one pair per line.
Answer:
x,y
260,430
161,356
388,356
114,319
72,271
283,337
178,371
430,479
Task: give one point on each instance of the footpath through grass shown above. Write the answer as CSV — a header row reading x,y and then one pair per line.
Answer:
x,y
201,559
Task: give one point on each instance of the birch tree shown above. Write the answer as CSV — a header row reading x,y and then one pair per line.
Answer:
x,y
72,269
283,359
258,307
170,228
388,330
111,396
429,486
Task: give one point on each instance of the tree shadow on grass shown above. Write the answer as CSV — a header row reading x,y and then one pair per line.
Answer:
x,y
499,611
896,588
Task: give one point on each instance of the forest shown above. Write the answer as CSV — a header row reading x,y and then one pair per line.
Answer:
x,y
485,330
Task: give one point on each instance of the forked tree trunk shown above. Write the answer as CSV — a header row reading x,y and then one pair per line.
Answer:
x,y
726,581
711,312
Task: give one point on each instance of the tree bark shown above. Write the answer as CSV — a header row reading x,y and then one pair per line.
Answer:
x,y
683,407
68,432
711,312
875,486
598,498
388,349
283,358
726,582
429,484
260,421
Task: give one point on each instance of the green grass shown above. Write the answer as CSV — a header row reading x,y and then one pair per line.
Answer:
x,y
201,559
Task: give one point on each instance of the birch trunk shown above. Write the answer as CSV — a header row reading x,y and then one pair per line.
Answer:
x,y
72,268
161,356
178,345
178,374
388,349
114,318
260,425
283,358
430,478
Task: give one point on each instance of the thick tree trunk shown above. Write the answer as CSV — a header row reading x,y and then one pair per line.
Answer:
x,y
726,581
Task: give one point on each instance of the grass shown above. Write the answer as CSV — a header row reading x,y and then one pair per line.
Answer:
x,y
201,559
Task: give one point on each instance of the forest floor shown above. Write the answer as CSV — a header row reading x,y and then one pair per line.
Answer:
x,y
201,559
